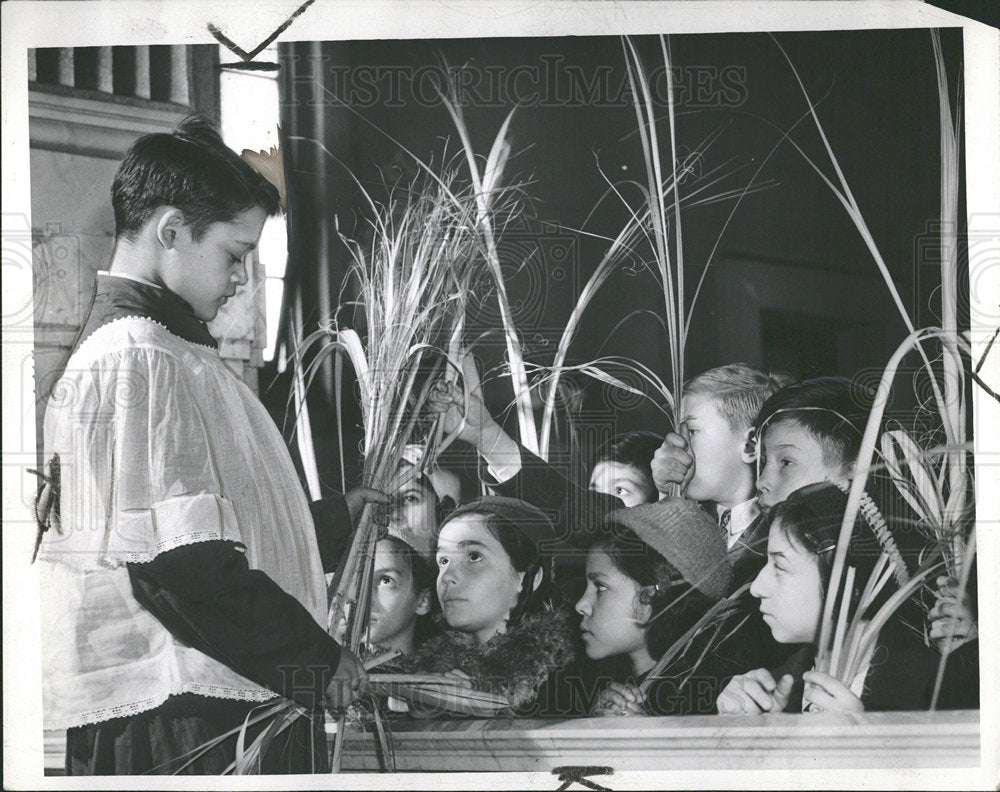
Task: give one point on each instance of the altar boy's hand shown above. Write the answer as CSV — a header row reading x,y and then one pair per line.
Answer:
x,y
824,693
672,463
348,683
753,693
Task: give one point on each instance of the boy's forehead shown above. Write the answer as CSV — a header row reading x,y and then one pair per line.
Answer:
x,y
607,468
699,405
789,430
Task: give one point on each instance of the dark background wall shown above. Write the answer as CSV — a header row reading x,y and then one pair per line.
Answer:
x,y
791,285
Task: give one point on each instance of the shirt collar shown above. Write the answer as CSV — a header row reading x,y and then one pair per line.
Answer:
x,y
118,296
740,516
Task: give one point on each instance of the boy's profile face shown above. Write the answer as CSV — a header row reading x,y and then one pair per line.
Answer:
x,y
717,450
792,457
395,601
207,272
626,482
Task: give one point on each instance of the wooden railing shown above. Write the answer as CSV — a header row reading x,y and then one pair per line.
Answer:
x,y
709,742
885,740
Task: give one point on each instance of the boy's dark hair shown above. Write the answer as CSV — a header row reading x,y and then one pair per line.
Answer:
x,y
832,409
738,390
675,605
192,170
422,575
631,448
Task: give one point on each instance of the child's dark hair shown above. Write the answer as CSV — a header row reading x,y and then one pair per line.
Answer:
x,y
421,573
738,390
632,448
422,577
192,170
831,409
506,520
810,519
675,605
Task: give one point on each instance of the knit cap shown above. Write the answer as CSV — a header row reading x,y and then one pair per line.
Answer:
x,y
535,524
683,533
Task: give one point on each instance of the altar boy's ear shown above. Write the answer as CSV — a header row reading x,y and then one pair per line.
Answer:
x,y
538,580
750,450
167,227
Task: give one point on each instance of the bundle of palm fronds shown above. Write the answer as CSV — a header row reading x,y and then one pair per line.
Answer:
x,y
859,636
436,694
413,282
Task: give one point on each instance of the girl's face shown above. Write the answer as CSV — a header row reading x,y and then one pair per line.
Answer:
x,y
792,458
414,514
477,584
395,601
625,482
611,612
790,590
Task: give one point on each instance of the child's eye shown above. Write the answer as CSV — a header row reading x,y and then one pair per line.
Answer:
x,y
386,580
475,555
599,587
785,462
442,561
621,491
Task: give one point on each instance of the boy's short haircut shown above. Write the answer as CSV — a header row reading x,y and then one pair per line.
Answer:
x,y
739,390
192,170
630,448
832,409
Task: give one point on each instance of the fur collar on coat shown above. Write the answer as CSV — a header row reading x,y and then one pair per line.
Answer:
x,y
513,663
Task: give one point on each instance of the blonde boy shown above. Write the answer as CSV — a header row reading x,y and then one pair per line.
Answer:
x,y
713,456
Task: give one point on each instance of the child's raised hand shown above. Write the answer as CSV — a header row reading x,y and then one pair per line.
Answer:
x,y
951,618
448,400
357,498
672,463
619,699
824,693
753,693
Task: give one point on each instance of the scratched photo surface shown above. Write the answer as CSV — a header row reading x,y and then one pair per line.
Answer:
x,y
666,205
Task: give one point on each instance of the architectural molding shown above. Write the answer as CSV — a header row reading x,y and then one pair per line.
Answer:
x,y
884,740
91,126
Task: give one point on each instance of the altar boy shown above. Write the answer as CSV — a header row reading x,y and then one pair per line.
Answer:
x,y
182,585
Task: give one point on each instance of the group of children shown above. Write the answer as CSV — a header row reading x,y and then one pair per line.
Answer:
x,y
764,464
183,569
